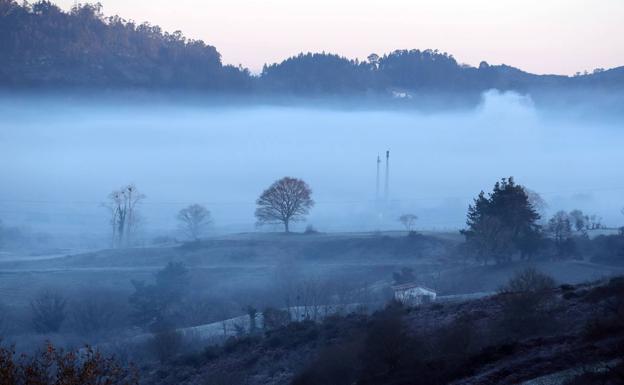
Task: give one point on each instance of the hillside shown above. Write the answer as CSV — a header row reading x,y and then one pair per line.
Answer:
x,y
42,46
319,276
578,338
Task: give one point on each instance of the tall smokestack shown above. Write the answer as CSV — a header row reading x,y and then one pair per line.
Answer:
x,y
377,180
386,193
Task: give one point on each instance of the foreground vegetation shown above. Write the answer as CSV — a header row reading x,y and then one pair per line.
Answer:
x,y
529,330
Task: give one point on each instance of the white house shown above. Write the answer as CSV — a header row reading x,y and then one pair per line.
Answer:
x,y
413,294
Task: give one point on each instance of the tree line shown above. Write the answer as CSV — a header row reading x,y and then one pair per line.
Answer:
x,y
501,226
506,223
43,46
285,201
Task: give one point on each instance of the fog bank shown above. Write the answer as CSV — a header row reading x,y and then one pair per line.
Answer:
x,y
61,158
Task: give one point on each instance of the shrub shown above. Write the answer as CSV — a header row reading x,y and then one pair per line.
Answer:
x,y
607,375
310,230
333,365
94,313
225,377
387,345
566,287
154,304
48,312
3,319
458,339
601,327
165,345
52,366
527,304
275,318
529,280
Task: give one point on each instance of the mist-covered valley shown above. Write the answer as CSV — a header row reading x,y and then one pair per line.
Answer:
x,y
198,270
398,218
62,157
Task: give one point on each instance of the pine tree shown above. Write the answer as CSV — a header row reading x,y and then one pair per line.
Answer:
x,y
502,224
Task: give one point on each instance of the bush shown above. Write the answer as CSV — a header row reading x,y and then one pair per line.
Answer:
x,y
333,365
458,339
609,375
225,377
53,367
3,319
48,312
601,327
310,230
529,280
527,301
610,320
233,344
614,289
155,304
275,318
165,345
95,313
566,287
387,345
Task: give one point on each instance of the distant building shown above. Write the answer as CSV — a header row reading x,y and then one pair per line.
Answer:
x,y
413,294
400,94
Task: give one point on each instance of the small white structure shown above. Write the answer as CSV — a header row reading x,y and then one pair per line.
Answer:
x,y
413,294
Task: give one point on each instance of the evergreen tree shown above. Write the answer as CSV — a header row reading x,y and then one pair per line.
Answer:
x,y
502,223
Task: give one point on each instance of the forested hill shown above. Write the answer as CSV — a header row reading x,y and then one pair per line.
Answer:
x,y
43,46
40,45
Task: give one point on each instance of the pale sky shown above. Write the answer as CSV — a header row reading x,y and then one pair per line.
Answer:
x,y
541,36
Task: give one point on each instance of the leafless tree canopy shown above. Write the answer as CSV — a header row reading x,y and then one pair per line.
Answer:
x,y
536,200
560,227
287,200
123,205
408,221
193,220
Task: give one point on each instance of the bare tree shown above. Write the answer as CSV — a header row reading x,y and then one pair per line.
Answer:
x,y
408,221
536,200
560,226
560,229
193,220
123,204
578,220
252,313
594,222
286,200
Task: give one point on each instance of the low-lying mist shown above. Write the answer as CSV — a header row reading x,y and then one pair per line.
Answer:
x,y
61,157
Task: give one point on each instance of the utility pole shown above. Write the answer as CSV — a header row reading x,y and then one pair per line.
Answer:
x,y
377,181
386,192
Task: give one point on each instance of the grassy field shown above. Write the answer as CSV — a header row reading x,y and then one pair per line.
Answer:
x,y
250,262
